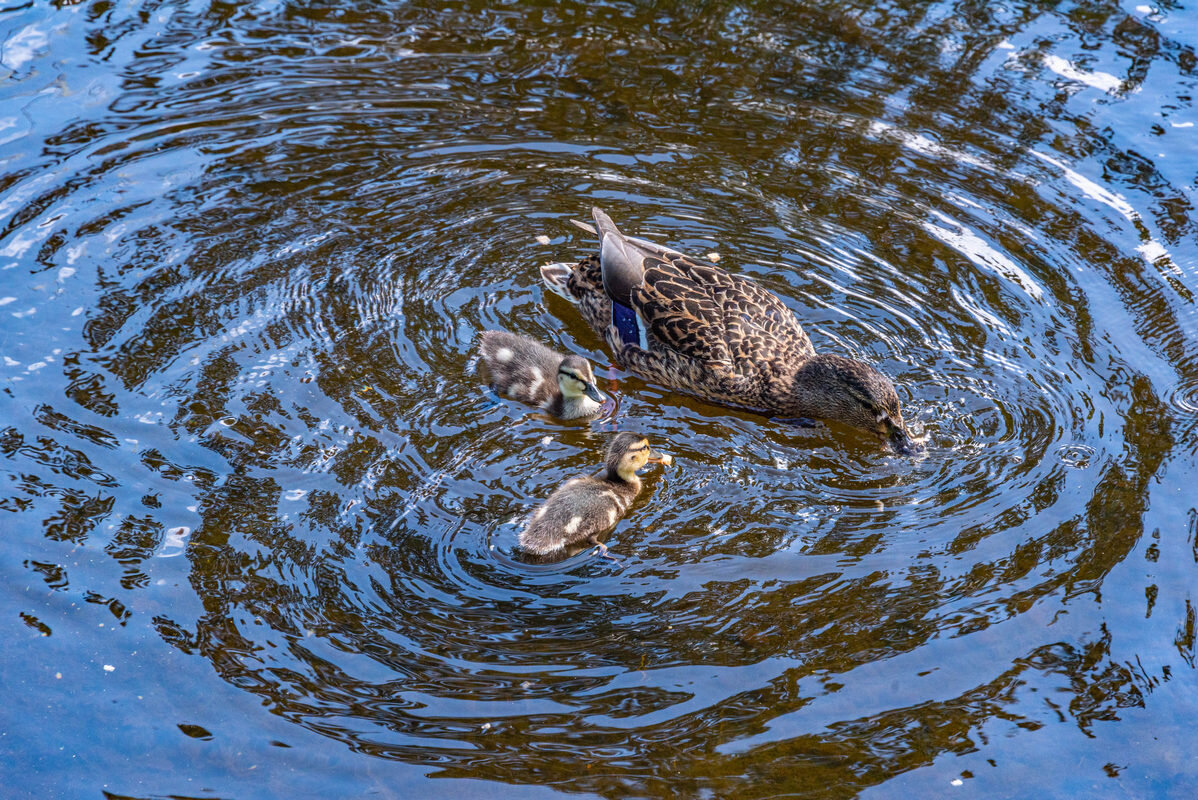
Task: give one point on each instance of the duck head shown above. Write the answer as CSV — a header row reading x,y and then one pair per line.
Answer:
x,y
852,392
627,453
575,379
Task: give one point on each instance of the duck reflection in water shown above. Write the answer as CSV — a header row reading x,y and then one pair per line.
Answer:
x,y
582,508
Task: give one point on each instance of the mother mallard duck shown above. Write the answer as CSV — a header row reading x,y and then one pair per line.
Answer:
x,y
698,329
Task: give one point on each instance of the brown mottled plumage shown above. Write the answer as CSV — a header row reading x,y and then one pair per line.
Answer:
x,y
721,337
530,372
584,507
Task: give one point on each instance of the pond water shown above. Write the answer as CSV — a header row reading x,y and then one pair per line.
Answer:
x,y
259,509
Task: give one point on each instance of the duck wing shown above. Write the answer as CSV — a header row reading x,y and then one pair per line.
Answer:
x,y
717,320
720,319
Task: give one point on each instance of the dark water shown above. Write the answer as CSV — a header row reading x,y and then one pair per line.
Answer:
x,y
259,515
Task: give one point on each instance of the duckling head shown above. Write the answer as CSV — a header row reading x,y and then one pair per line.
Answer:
x,y
575,379
853,392
627,453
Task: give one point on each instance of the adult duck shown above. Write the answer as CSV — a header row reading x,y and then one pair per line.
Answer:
x,y
698,329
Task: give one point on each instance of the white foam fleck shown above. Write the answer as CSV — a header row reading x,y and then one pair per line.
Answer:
x,y
6,300
175,542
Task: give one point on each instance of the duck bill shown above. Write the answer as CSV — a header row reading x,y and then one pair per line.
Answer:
x,y
593,392
904,444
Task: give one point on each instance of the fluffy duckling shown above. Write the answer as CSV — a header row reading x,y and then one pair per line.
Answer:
x,y
586,506
524,370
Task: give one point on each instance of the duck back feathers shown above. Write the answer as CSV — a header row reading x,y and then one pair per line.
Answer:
x,y
576,512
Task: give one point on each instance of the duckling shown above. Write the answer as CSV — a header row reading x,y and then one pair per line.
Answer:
x,y
520,368
699,329
588,505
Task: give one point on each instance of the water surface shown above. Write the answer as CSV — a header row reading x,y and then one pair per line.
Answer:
x,y
259,512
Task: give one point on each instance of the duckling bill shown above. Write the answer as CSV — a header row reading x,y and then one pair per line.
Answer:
x,y
582,508
524,370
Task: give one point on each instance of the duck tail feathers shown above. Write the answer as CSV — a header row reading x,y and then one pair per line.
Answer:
x,y
604,224
622,261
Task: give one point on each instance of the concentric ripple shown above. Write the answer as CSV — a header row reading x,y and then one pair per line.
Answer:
x,y
249,275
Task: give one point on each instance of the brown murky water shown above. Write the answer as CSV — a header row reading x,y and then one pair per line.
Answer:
x,y
259,514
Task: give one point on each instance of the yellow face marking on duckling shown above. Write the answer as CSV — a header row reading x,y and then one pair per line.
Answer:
x,y
635,457
571,382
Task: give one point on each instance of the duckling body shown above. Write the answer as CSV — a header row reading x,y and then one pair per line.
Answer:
x,y
530,372
586,506
696,328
